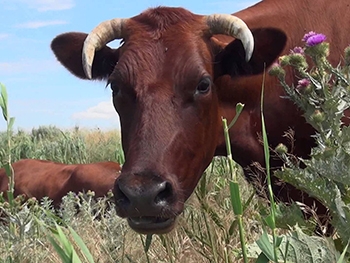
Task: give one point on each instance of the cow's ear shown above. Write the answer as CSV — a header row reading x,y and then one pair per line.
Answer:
x,y
68,48
268,45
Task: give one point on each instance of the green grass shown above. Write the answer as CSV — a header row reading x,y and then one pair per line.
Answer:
x,y
205,232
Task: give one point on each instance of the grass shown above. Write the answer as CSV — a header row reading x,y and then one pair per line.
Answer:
x,y
205,232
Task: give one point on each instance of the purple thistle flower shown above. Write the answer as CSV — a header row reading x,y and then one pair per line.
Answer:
x,y
303,83
313,39
308,35
297,50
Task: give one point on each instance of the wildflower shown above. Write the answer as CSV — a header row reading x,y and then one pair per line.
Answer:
x,y
312,39
315,40
308,35
297,50
304,86
303,83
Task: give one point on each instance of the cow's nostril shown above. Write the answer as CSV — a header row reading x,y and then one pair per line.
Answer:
x,y
165,194
121,198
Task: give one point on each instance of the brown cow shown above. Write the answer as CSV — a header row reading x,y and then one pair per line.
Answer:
x,y
39,178
174,76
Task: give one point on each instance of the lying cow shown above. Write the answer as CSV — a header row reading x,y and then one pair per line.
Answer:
x,y
177,73
40,178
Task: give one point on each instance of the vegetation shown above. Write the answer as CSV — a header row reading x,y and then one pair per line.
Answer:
x,y
207,231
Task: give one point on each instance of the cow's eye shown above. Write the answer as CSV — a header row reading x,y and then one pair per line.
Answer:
x,y
203,86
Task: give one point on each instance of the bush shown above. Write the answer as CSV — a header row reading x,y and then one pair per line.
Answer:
x,y
323,94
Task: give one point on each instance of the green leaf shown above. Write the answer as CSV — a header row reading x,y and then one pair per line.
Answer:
x,y
296,247
81,245
3,102
236,198
75,257
342,256
270,221
266,246
148,242
11,122
65,258
63,240
262,259
239,108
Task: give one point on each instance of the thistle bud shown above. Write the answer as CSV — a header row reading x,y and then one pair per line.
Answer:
x,y
90,193
110,194
298,61
277,70
304,86
284,60
347,56
328,152
281,148
318,116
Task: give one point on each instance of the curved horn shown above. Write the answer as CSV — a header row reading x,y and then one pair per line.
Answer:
x,y
100,36
232,26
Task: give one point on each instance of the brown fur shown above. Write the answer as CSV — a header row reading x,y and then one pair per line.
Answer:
x,y
39,178
170,132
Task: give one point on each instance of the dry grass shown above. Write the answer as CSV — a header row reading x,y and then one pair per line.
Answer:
x,y
205,231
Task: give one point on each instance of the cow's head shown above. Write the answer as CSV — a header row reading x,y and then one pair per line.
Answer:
x,y
162,81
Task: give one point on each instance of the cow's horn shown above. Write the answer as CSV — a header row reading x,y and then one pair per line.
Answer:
x,y
100,36
232,26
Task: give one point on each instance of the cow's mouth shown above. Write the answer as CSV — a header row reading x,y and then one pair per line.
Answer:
x,y
152,225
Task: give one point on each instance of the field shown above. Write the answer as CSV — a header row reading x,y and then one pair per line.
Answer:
x,y
206,232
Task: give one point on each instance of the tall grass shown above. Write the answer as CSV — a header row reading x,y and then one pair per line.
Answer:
x,y
66,146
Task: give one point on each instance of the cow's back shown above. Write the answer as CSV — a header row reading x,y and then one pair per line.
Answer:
x,y
99,177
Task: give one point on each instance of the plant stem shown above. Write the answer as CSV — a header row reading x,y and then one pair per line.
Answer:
x,y
237,205
268,174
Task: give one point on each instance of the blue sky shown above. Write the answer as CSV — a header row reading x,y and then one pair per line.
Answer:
x,y
41,91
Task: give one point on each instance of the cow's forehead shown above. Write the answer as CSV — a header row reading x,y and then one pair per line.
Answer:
x,y
174,59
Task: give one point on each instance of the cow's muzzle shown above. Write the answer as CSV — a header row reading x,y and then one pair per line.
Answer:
x,y
147,201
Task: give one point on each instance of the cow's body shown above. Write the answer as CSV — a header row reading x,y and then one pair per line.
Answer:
x,y
40,178
172,81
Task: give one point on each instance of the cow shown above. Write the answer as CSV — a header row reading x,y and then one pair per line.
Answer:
x,y
173,78
40,178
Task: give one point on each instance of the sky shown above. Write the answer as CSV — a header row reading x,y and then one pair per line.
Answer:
x,y
41,91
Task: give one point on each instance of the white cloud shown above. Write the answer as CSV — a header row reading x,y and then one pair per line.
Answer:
x,y
103,110
38,24
27,66
49,5
3,36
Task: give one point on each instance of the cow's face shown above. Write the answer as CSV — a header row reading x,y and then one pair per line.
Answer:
x,y
168,108
162,81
